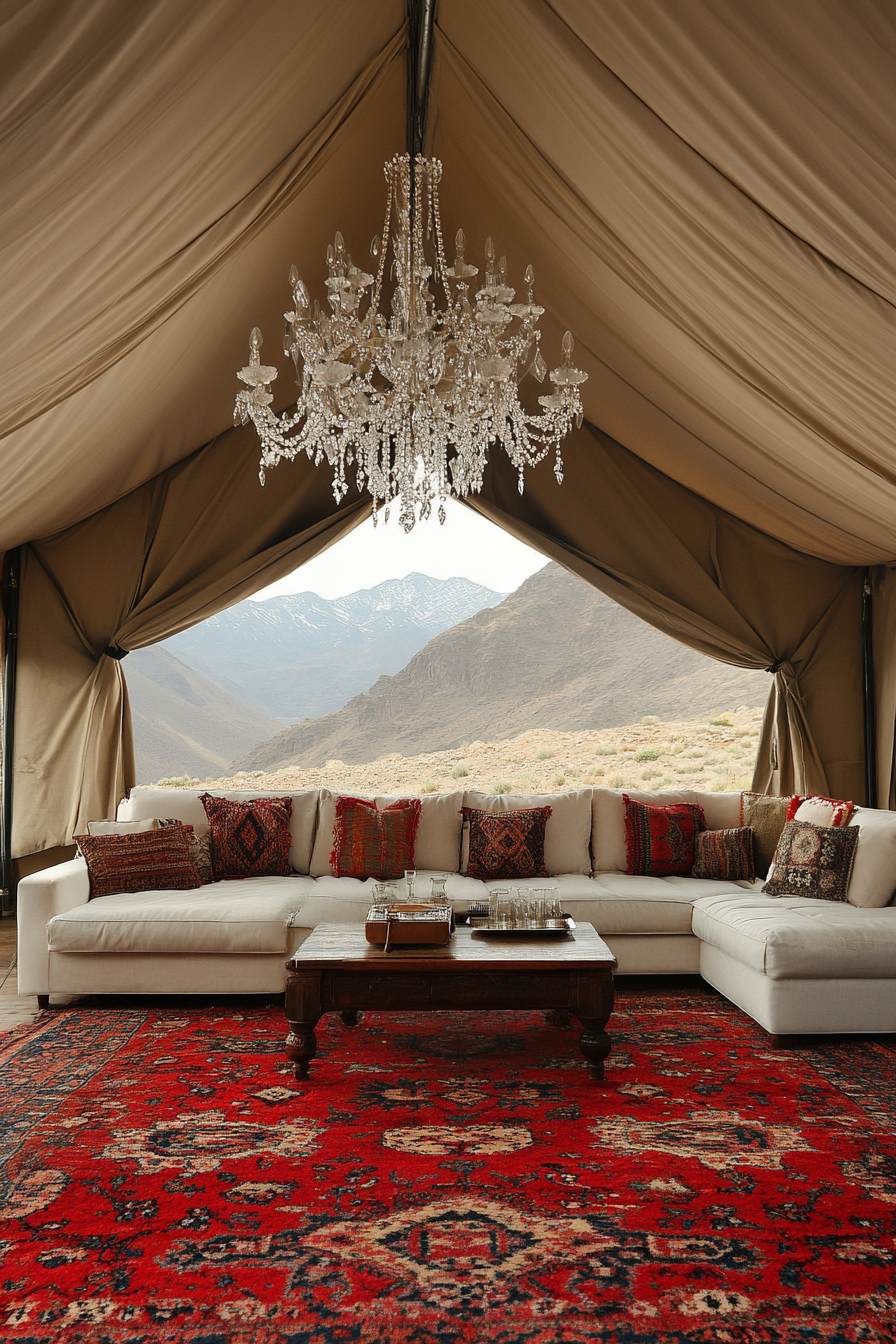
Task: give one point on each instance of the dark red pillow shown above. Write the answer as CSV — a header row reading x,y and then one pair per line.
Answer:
x,y
249,839
368,842
660,841
144,861
506,845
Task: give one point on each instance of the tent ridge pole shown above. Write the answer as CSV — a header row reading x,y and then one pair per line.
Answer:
x,y
12,572
421,16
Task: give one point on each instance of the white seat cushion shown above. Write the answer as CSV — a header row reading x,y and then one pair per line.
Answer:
x,y
625,903
249,916
346,900
795,937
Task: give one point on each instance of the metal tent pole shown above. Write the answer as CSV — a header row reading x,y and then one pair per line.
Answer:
x,y
12,570
421,16
868,692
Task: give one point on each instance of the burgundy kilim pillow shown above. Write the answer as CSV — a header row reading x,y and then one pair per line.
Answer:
x,y
505,845
368,842
726,855
145,861
660,841
249,839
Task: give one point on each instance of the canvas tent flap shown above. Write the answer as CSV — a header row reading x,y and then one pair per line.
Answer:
x,y
189,543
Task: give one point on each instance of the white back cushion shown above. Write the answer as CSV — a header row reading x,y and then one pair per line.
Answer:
x,y
438,836
567,833
722,812
873,879
184,804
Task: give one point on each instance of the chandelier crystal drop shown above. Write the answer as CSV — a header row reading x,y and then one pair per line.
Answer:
x,y
413,399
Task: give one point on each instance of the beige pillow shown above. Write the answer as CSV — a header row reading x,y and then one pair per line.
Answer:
x,y
438,837
765,815
184,804
873,879
567,834
122,827
608,814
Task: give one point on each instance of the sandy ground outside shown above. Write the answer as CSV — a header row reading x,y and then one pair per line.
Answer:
x,y
715,754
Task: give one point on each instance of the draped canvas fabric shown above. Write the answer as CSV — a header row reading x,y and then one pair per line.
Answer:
x,y
199,537
707,193
162,165
735,351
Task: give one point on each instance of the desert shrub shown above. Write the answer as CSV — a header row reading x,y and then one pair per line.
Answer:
x,y
558,781
718,785
605,751
723,722
429,786
499,786
651,774
664,782
459,772
599,772
178,782
616,781
544,755
648,754
650,721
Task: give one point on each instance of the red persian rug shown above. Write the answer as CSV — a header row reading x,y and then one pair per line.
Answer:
x,y
445,1178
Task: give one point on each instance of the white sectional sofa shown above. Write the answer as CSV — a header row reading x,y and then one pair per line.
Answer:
x,y
795,964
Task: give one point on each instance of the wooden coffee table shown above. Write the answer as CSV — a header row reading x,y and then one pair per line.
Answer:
x,y
337,970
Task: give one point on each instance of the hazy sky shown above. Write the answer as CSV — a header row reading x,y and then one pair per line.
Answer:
x,y
468,546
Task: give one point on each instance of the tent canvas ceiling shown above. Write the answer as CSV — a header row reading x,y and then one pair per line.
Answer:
x,y
707,193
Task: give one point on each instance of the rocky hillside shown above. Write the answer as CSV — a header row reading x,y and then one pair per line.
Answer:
x,y
301,656
556,654
713,754
183,723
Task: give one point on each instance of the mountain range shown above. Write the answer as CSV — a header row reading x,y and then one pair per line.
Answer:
x,y
301,656
556,653
185,724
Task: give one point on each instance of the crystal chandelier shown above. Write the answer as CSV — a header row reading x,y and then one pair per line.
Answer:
x,y
413,399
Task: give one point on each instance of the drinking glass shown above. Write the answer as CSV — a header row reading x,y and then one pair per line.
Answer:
x,y
438,892
496,898
410,877
552,903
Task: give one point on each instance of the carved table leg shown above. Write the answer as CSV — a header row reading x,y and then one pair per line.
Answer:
x,y
303,1012
595,1045
594,1004
350,1017
301,1045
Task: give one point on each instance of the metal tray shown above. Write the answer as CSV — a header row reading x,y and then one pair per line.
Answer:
x,y
556,927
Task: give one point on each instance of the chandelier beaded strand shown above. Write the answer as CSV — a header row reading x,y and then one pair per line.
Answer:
x,y
413,400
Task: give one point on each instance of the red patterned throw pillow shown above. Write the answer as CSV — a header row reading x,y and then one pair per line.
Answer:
x,y
505,845
369,842
249,839
660,841
145,861
725,855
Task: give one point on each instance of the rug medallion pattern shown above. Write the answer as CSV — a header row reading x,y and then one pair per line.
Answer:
x,y
445,1178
